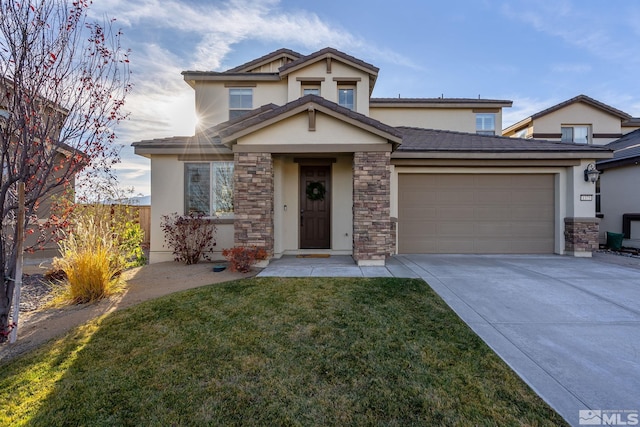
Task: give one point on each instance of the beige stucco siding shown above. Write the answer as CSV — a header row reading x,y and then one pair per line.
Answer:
x,y
579,114
212,99
295,130
456,119
167,188
620,194
329,86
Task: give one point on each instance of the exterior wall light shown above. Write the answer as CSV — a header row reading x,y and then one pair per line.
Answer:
x,y
591,174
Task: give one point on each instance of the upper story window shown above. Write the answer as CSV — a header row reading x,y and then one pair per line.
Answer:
x,y
347,97
209,188
311,90
486,124
576,134
240,101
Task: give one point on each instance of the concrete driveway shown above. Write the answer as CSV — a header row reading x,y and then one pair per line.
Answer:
x,y
570,327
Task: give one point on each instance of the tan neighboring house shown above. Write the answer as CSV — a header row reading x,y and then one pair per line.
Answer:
x,y
294,155
584,120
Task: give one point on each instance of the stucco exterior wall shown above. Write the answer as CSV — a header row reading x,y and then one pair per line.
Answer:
x,y
456,119
295,130
167,187
329,87
579,114
620,194
212,99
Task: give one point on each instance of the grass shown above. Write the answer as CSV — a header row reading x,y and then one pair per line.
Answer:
x,y
273,351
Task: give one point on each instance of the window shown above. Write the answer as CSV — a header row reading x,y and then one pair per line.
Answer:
x,y
209,188
346,97
486,124
598,198
310,90
576,134
240,101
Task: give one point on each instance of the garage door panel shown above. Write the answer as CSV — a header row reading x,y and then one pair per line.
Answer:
x,y
473,213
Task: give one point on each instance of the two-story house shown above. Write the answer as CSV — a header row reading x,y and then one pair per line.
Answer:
x,y
584,120
294,155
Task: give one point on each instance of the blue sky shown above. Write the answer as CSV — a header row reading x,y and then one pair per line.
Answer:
x,y
536,53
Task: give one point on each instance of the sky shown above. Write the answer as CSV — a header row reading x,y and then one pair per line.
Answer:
x,y
536,53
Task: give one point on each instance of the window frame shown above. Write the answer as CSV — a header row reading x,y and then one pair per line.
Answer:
x,y
352,88
237,111
212,193
573,128
483,129
310,87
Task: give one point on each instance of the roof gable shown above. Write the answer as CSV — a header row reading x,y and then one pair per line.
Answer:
x,y
281,56
255,122
578,99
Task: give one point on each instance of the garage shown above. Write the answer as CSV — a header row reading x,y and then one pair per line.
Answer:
x,y
476,213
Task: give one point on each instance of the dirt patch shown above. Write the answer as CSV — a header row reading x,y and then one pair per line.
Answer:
x,y
144,283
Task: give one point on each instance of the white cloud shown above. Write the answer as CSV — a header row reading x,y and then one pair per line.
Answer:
x,y
571,68
601,33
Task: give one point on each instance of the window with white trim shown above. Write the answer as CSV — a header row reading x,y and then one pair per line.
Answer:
x,y
309,89
575,134
240,101
209,188
347,97
486,124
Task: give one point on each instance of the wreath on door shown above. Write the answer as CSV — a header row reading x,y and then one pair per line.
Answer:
x,y
315,190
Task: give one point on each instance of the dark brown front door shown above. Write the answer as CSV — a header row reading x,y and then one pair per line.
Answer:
x,y
315,207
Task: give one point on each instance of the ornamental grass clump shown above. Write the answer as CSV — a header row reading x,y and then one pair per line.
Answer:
x,y
91,262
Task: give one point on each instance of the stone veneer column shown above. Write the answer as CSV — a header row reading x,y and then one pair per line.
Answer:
x,y
253,200
581,236
373,237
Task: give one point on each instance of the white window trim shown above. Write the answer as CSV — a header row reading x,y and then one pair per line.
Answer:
x,y
239,109
573,138
212,186
482,130
355,94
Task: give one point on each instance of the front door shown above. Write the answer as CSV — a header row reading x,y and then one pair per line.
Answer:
x,y
315,207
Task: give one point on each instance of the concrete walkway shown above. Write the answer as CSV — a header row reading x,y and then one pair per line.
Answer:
x,y
333,266
570,327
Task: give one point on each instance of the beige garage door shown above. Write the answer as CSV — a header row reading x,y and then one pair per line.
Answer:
x,y
484,214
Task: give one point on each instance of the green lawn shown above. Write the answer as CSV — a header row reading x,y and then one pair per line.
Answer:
x,y
273,351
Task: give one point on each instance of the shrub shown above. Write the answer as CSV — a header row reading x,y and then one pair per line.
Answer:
x,y
241,258
91,262
190,237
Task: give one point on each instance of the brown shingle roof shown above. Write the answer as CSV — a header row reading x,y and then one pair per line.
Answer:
x,y
586,100
417,139
626,151
334,53
265,59
439,101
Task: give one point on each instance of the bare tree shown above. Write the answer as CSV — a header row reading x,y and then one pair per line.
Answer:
x,y
63,81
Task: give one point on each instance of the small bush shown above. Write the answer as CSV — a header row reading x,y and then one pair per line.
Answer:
x,y
241,258
191,237
91,263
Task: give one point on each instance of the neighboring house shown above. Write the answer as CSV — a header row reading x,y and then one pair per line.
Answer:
x,y
584,120
39,242
620,188
293,155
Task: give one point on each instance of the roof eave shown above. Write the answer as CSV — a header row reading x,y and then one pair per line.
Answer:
x,y
531,155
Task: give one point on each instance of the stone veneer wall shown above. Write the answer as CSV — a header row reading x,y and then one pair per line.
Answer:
x,y
373,231
253,200
581,235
